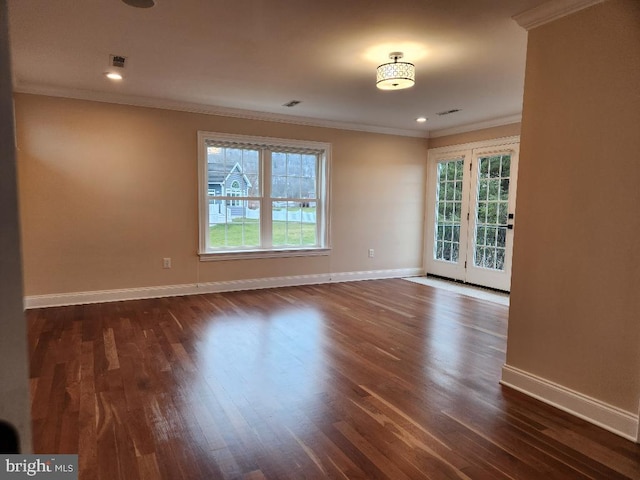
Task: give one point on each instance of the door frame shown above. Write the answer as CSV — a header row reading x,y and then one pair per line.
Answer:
x,y
441,268
498,279
434,155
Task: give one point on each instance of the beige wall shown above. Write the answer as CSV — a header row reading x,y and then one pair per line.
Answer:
x,y
108,190
575,296
476,136
14,367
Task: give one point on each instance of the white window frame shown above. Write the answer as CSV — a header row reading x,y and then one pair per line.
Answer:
x,y
266,250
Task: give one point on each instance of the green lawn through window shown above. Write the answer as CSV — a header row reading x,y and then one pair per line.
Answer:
x,y
245,232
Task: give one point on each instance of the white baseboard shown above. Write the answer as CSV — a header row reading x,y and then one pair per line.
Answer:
x,y
101,296
610,418
260,283
376,274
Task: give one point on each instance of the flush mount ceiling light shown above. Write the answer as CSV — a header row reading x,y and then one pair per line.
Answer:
x,y
396,75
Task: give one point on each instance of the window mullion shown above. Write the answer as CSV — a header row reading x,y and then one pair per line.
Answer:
x,y
266,205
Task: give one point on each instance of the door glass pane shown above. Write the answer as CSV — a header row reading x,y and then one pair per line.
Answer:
x,y
494,188
449,192
492,215
458,192
504,188
480,236
456,234
489,257
483,187
448,211
491,208
502,234
448,232
506,167
484,169
455,252
503,208
446,254
500,259
491,236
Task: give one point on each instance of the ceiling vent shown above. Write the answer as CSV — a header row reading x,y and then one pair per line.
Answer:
x,y
448,112
117,61
292,103
140,3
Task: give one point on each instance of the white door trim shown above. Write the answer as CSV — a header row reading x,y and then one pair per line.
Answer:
x,y
442,268
468,151
499,279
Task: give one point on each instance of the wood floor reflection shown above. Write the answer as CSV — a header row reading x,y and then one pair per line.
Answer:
x,y
380,379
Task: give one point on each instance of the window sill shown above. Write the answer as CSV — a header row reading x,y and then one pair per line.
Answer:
x,y
248,254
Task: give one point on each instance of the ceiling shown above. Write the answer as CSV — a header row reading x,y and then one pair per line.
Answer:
x,y
249,57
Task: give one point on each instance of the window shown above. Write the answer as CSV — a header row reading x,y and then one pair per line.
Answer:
x,y
234,191
262,197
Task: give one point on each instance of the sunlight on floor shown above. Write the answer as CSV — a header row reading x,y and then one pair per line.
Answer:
x,y
469,291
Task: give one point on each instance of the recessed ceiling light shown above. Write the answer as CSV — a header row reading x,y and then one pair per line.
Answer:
x,y
421,119
113,76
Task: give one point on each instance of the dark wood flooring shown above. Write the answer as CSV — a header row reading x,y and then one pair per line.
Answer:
x,y
367,380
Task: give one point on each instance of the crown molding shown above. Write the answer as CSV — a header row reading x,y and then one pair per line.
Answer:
x,y
470,127
550,11
166,104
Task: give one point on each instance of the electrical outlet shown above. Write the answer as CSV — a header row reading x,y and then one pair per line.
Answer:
x,y
166,262
371,252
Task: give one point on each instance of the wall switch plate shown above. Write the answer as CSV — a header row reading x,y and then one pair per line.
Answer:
x,y
371,252
166,262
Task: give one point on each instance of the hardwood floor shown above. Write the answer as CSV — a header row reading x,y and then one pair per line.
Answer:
x,y
367,380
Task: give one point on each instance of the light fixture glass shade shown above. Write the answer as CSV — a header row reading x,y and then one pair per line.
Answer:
x,y
396,76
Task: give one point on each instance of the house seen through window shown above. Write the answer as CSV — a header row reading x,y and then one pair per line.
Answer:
x,y
262,195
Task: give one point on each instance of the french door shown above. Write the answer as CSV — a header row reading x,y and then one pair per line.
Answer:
x,y
470,213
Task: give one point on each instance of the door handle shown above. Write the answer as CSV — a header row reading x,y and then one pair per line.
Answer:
x,y
509,226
